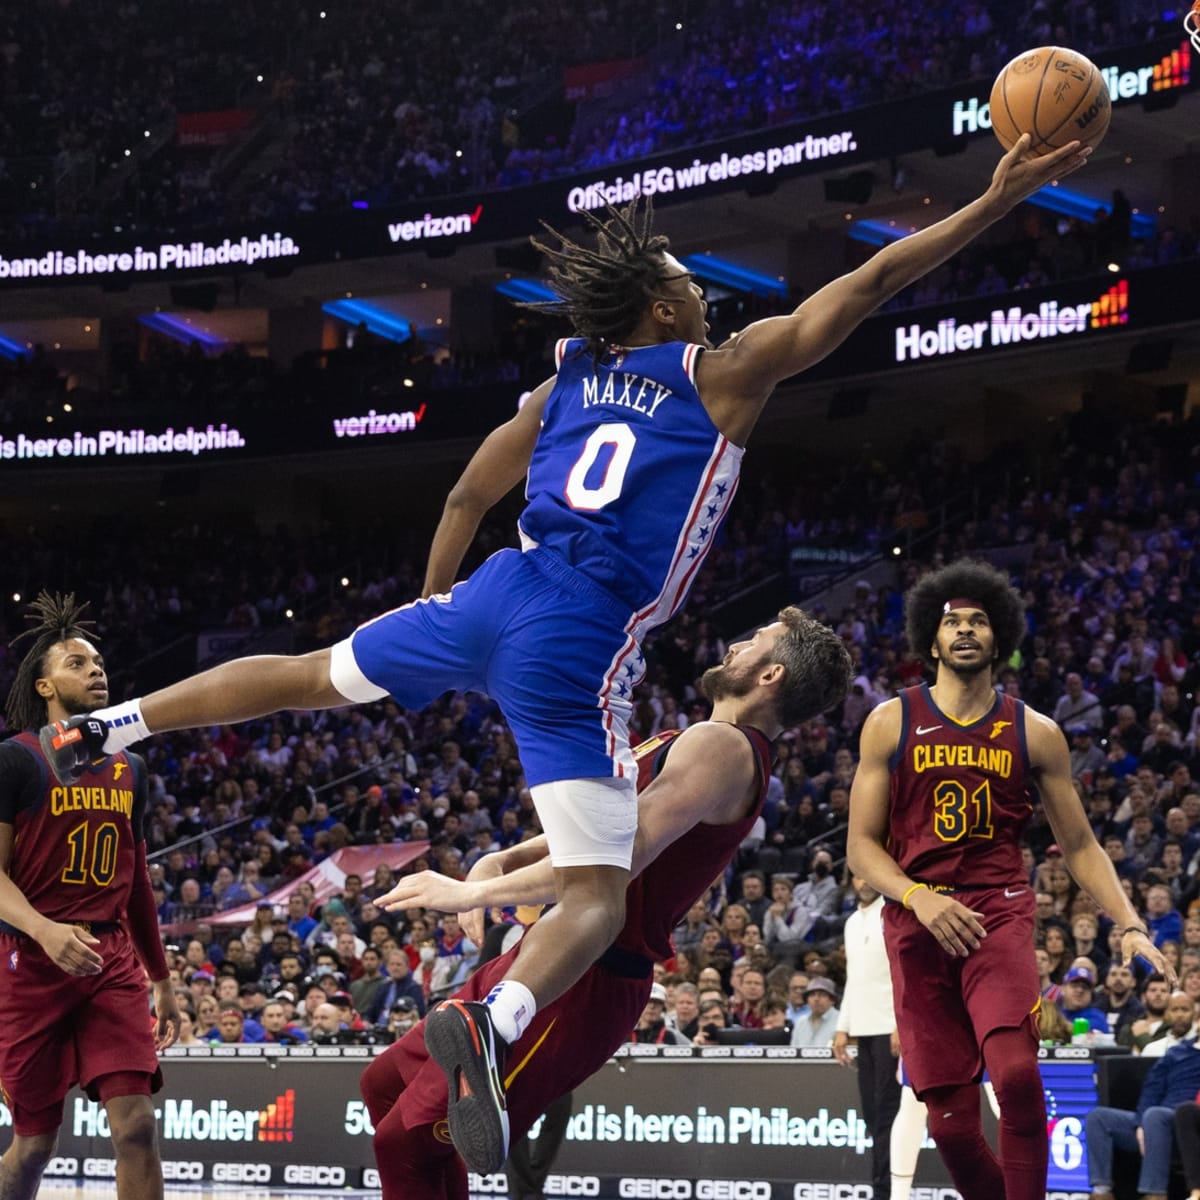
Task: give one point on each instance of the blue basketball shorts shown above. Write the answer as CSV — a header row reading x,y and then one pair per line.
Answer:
x,y
554,651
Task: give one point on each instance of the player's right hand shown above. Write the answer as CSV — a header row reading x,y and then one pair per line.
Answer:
x,y
70,948
428,889
957,928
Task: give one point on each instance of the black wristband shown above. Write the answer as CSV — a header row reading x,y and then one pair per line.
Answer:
x,y
1135,929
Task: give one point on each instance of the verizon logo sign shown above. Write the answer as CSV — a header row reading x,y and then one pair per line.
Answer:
x,y
377,424
429,226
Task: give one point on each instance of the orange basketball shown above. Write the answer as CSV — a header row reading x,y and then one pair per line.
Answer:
x,y
1053,94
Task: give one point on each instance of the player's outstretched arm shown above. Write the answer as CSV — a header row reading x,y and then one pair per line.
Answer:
x,y
957,928
769,351
522,874
494,470
1085,858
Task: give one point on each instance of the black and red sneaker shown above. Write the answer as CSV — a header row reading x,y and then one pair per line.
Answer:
x,y
462,1040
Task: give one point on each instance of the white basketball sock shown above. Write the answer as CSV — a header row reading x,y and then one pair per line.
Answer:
x,y
512,1007
908,1132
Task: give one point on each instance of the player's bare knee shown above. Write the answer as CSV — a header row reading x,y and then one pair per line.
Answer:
x,y
29,1155
135,1133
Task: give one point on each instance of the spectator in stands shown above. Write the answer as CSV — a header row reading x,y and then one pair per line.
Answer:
x,y
278,1028
369,982
401,1017
1179,1024
1164,922
819,1028
400,983
652,1027
1155,994
298,920
1077,707
229,1026
1120,1002
748,1009
1174,1079
1076,1002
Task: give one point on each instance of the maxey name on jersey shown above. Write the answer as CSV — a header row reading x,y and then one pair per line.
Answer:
x,y
635,391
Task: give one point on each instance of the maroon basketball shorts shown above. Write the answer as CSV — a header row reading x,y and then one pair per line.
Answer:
x,y
945,1005
62,1029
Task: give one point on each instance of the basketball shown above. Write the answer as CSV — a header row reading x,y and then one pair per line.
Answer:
x,y
1053,94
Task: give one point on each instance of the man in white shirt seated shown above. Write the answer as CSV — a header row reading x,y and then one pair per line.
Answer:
x,y
819,1027
1180,1022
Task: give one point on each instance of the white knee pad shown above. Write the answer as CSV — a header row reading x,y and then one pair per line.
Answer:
x,y
588,822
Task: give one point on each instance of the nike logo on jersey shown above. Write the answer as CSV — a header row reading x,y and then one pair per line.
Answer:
x,y
924,729
1009,894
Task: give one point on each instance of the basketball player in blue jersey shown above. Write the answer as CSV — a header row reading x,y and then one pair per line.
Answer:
x,y
943,792
631,454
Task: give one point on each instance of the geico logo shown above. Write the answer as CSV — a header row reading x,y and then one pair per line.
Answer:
x,y
1068,1196
487,1184
656,1189
5,1116
62,1166
733,1189
371,1180
304,1173
572,1185
933,1193
100,1168
227,1172
1072,1052
186,1171
833,1191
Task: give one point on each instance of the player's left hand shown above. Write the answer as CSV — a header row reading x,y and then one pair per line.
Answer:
x,y
895,1043
428,889
166,1014
1135,944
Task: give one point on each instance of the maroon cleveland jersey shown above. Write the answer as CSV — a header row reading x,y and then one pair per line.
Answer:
x,y
658,899
74,853
960,794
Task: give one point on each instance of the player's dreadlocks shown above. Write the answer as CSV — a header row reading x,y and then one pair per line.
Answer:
x,y
971,580
603,292
59,618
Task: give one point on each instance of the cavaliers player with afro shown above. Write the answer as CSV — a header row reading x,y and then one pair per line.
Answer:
x,y
948,777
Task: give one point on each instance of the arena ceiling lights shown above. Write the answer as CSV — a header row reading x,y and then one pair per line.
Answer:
x,y
183,329
527,291
378,320
1067,203
732,275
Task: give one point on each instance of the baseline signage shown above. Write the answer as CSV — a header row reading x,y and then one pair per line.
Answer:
x,y
757,160
731,1123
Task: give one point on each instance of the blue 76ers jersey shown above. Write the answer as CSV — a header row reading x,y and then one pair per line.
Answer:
x,y
630,478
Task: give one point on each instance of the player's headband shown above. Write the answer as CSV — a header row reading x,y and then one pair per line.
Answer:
x,y
962,602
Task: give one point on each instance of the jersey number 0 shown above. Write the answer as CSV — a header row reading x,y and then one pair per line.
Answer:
x,y
619,440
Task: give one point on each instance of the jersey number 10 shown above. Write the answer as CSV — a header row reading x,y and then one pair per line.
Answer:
x,y
97,858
